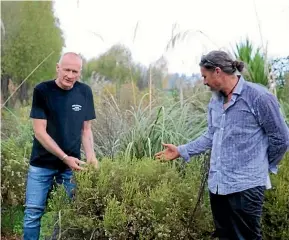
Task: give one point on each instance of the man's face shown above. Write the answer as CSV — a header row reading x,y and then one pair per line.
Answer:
x,y
68,71
212,79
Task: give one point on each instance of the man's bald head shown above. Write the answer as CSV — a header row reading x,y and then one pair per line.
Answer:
x,y
70,56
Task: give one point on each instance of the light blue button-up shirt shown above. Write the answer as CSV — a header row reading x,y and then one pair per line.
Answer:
x,y
248,139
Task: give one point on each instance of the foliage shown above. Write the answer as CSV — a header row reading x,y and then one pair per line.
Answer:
x,y
280,67
32,33
131,199
276,207
15,154
255,62
12,220
116,65
283,90
284,105
13,174
139,131
164,123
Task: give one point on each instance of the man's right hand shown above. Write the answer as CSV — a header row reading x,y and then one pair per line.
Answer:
x,y
170,153
73,162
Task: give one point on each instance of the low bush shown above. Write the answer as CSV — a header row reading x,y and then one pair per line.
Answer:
x,y
276,206
15,154
143,199
130,199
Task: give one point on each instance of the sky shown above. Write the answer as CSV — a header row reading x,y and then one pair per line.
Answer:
x,y
212,25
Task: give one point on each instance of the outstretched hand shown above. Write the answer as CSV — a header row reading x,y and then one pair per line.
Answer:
x,y
170,153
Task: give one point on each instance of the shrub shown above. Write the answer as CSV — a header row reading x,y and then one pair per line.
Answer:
x,y
13,175
130,199
15,154
276,207
11,221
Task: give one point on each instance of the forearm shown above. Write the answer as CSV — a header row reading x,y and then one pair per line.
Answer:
x,y
49,144
276,151
200,145
88,145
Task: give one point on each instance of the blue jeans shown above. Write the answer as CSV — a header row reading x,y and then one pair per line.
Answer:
x,y
39,183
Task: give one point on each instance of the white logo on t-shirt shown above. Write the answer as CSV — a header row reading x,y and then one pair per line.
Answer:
x,y
76,107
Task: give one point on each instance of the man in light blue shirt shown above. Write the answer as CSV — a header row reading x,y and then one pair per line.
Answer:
x,y
247,136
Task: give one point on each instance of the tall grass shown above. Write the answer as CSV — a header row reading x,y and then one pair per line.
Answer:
x,y
139,131
169,123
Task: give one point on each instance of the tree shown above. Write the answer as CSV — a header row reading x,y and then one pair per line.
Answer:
x,y
31,34
115,65
159,72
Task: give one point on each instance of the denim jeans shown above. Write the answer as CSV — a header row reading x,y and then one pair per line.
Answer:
x,y
39,183
237,216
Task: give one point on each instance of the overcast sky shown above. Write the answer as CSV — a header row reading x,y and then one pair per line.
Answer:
x,y
225,22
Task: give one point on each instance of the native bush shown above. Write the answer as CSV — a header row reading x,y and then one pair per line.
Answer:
x,y
133,199
276,207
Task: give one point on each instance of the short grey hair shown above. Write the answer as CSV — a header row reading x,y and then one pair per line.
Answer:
x,y
70,53
222,60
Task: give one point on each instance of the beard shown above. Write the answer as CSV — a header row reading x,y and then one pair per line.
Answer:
x,y
216,93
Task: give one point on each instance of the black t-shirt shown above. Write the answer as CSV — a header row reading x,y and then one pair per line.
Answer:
x,y
65,111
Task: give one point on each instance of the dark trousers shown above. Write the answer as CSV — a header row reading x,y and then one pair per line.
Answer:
x,y
237,216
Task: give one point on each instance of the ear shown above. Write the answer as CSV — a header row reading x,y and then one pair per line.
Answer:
x,y
218,70
57,67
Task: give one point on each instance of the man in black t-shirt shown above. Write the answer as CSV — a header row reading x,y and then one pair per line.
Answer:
x,y
62,111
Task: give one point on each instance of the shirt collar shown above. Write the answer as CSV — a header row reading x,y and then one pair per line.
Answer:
x,y
238,89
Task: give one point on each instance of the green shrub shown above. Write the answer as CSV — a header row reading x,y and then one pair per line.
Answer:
x,y
130,199
276,206
13,174
16,147
145,200
14,160
11,220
